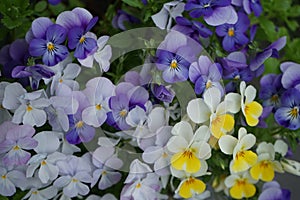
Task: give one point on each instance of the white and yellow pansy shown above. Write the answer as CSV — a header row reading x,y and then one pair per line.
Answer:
x,y
241,185
190,185
251,109
211,110
266,165
243,157
189,150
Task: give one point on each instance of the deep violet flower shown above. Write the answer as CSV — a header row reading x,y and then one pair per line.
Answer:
x,y
79,22
234,34
253,6
288,115
51,47
291,75
214,12
121,18
54,2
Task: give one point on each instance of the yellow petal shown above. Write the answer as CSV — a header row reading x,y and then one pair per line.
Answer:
x,y
191,186
244,160
253,111
187,161
236,192
221,125
242,189
249,190
263,170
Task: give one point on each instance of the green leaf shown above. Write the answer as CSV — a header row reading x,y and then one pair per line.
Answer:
x,y
40,6
281,5
269,29
294,11
134,3
10,23
292,24
272,66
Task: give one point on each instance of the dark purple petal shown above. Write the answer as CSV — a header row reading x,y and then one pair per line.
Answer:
x,y
56,34
54,2
278,44
162,93
37,47
39,27
51,58
83,15
183,21
91,24
260,59
85,48
286,194
18,49
243,22
74,36
291,98
72,137
256,7
228,43
222,30
19,72
241,39
200,85
40,70
203,31
5,55
253,30
221,3
139,96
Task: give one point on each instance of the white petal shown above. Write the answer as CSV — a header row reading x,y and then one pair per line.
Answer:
x,y
250,94
157,118
62,181
248,141
233,102
48,142
291,166
281,147
242,88
12,93
242,132
202,134
212,98
198,111
49,192
151,154
71,71
89,116
230,180
184,130
160,19
227,144
35,117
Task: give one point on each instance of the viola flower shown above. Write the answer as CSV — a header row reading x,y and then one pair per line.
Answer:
x,y
106,162
266,165
252,6
54,2
163,19
243,158
40,193
271,90
241,185
194,29
234,34
214,12
190,150
137,171
50,47
290,76
38,29
174,58
205,75
272,191
163,93
79,22
98,91
288,115
4,113
10,179
74,172
210,109
36,73
18,139
121,18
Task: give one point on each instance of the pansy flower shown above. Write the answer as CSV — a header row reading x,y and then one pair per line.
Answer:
x,y
79,22
288,115
243,157
252,6
234,34
272,191
50,47
214,12
291,75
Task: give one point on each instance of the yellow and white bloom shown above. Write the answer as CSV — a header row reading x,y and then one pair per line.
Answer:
x,y
243,158
190,186
251,109
189,149
211,110
241,185
266,166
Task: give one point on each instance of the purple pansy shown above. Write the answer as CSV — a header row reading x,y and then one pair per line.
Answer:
x,y
54,2
214,12
194,29
234,34
50,47
272,191
38,29
106,162
79,22
18,140
271,90
270,51
174,57
288,115
162,93
127,97
291,75
79,131
252,6
205,74
36,73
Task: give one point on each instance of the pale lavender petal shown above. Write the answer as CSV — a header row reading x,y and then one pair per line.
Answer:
x,y
7,188
62,181
222,15
12,93
68,19
27,143
101,154
21,131
39,26
109,179
19,157
83,15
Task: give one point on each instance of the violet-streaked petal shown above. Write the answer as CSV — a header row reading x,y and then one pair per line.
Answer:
x,y
228,43
260,59
18,49
83,15
37,47
39,27
20,72
278,44
91,24
56,34
68,19
27,143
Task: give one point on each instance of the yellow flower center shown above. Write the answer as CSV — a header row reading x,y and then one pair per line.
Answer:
x,y
29,108
174,64
275,98
294,113
104,173
98,107
43,162
16,148
123,113
81,40
74,180
35,192
208,84
3,176
230,32
138,185
79,124
50,46
164,155
60,80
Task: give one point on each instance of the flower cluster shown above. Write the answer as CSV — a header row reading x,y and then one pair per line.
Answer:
x,y
189,123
